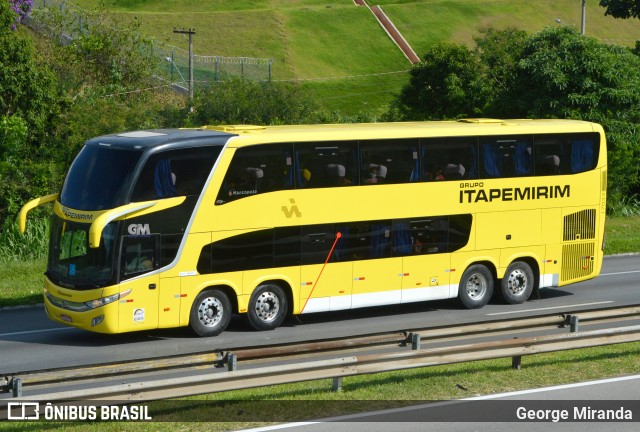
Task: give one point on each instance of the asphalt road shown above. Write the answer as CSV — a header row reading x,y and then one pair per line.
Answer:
x,y
566,408
29,341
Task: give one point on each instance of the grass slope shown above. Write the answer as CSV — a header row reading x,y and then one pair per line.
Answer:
x,y
337,48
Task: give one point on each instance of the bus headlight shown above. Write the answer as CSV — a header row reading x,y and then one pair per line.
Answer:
x,y
93,304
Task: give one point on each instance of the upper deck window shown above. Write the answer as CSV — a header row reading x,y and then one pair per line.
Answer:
x,y
179,172
99,178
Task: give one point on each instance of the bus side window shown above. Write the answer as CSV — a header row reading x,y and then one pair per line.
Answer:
x,y
566,153
326,164
257,169
388,161
364,240
449,158
548,155
506,156
139,254
584,155
180,172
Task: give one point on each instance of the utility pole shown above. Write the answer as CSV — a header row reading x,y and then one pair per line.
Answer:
x,y
189,32
584,16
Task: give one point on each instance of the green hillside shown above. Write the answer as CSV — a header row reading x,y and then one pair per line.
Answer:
x,y
337,49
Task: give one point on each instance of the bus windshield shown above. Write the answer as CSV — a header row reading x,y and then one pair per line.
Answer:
x,y
72,263
99,178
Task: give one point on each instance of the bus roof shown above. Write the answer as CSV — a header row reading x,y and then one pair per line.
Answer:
x,y
144,139
248,135
251,134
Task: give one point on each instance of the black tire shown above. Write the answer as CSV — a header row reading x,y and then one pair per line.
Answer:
x,y
210,313
517,283
267,307
476,287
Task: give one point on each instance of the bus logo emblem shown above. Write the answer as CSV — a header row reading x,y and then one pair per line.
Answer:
x,y
139,229
293,210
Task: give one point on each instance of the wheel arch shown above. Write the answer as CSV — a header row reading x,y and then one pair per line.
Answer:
x,y
286,287
489,264
533,263
227,290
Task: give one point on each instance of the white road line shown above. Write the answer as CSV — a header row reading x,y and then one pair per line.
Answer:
x,y
619,273
435,404
550,308
559,387
35,331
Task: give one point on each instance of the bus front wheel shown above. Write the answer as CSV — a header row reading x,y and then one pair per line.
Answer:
x,y
517,283
267,307
476,286
210,313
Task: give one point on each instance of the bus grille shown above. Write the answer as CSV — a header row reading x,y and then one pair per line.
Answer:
x,y
580,225
577,261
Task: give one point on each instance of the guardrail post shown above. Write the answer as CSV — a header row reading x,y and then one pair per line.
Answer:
x,y
574,323
337,384
516,362
16,387
232,362
415,341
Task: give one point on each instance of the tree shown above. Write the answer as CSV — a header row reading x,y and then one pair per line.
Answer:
x,y
26,89
104,56
555,73
247,102
621,8
498,52
564,74
445,84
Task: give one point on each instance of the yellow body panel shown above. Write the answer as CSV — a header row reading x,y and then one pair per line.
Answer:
x,y
513,219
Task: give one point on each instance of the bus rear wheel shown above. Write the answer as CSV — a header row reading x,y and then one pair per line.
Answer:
x,y
517,283
476,287
210,313
267,307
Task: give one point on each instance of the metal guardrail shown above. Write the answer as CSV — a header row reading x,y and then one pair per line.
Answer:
x,y
323,359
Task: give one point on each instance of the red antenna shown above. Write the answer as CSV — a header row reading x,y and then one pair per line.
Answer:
x,y
335,242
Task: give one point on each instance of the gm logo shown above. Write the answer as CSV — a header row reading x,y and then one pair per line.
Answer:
x,y
293,210
139,229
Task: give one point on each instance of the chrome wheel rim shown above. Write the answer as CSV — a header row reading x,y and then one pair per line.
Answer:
x,y
210,312
517,282
476,286
267,306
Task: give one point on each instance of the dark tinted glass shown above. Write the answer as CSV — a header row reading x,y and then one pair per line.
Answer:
x,y
99,178
326,164
506,156
566,154
257,169
449,158
389,161
249,251
175,173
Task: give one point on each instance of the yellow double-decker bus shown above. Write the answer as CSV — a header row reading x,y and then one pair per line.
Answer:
x,y
185,227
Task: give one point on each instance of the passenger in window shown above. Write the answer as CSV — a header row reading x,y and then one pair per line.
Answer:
x,y
246,182
337,175
434,174
548,164
139,263
305,177
375,174
453,172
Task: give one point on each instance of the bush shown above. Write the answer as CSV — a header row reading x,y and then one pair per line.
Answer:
x,y
32,245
